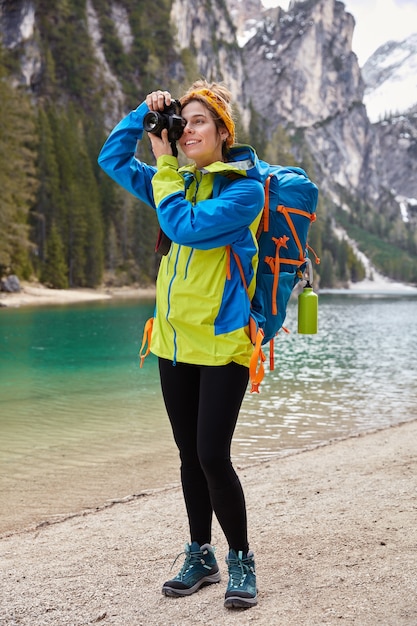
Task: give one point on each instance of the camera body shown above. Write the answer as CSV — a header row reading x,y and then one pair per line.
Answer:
x,y
170,118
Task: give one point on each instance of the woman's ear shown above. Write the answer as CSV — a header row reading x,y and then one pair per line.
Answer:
x,y
224,134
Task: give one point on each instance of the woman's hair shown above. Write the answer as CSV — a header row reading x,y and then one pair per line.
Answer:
x,y
217,98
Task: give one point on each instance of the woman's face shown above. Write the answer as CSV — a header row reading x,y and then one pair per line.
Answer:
x,y
201,140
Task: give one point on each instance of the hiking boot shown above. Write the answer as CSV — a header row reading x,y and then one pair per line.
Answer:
x,y
241,589
200,568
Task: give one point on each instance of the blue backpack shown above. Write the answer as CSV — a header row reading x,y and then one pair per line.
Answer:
x,y
290,208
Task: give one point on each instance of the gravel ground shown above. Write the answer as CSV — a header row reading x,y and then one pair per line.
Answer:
x,y
333,530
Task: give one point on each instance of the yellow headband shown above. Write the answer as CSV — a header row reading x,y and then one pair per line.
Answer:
x,y
217,105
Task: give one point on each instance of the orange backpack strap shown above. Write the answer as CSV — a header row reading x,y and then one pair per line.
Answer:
x,y
256,373
279,243
286,212
266,205
147,335
271,355
272,348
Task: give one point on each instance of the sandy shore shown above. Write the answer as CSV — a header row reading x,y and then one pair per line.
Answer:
x,y
35,294
333,529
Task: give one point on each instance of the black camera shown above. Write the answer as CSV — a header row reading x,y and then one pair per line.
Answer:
x,y
170,118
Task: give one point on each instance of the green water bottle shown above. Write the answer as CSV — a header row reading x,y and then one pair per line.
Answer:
x,y
308,311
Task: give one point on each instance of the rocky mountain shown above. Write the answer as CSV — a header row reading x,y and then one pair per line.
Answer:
x,y
390,77
293,74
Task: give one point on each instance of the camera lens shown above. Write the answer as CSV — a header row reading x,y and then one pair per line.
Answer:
x,y
152,121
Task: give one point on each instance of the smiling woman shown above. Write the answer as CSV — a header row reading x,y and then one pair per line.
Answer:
x,y
200,332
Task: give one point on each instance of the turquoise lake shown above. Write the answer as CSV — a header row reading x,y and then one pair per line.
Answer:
x,y
81,424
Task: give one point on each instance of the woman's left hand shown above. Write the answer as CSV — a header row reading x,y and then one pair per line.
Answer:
x,y
160,145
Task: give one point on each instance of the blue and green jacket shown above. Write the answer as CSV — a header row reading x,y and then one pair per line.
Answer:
x,y
202,307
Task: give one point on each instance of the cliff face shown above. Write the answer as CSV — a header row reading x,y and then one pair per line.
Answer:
x,y
302,68
17,29
209,33
303,65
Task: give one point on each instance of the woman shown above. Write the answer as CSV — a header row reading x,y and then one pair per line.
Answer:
x,y
210,211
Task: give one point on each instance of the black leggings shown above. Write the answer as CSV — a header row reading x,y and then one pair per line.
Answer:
x,y
203,404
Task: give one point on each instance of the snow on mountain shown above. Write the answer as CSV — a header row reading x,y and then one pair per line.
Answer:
x,y
390,76
247,16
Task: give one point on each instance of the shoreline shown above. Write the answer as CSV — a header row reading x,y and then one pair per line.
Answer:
x,y
333,531
241,466
35,294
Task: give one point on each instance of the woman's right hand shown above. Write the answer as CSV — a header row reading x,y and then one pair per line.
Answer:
x,y
157,100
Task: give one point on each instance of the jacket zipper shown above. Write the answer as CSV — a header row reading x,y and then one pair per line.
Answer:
x,y
174,274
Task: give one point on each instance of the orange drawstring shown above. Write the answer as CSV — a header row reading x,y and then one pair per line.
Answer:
x,y
317,259
147,334
257,373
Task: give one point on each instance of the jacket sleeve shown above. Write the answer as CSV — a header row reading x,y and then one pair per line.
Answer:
x,y
218,221
117,156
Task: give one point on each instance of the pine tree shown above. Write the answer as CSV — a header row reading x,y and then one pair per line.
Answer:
x,y
17,177
43,212
327,273
54,271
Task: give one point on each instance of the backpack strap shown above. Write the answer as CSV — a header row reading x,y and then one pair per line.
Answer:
x,y
274,264
256,372
286,212
264,222
163,243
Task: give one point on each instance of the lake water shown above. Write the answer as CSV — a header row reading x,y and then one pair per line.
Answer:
x,y
81,424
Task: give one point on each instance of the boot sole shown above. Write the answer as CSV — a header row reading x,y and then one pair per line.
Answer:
x,y
237,602
173,592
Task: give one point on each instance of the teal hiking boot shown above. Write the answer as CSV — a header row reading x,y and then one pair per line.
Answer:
x,y
200,568
241,589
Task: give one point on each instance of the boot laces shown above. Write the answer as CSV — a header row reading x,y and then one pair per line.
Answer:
x,y
191,559
238,570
